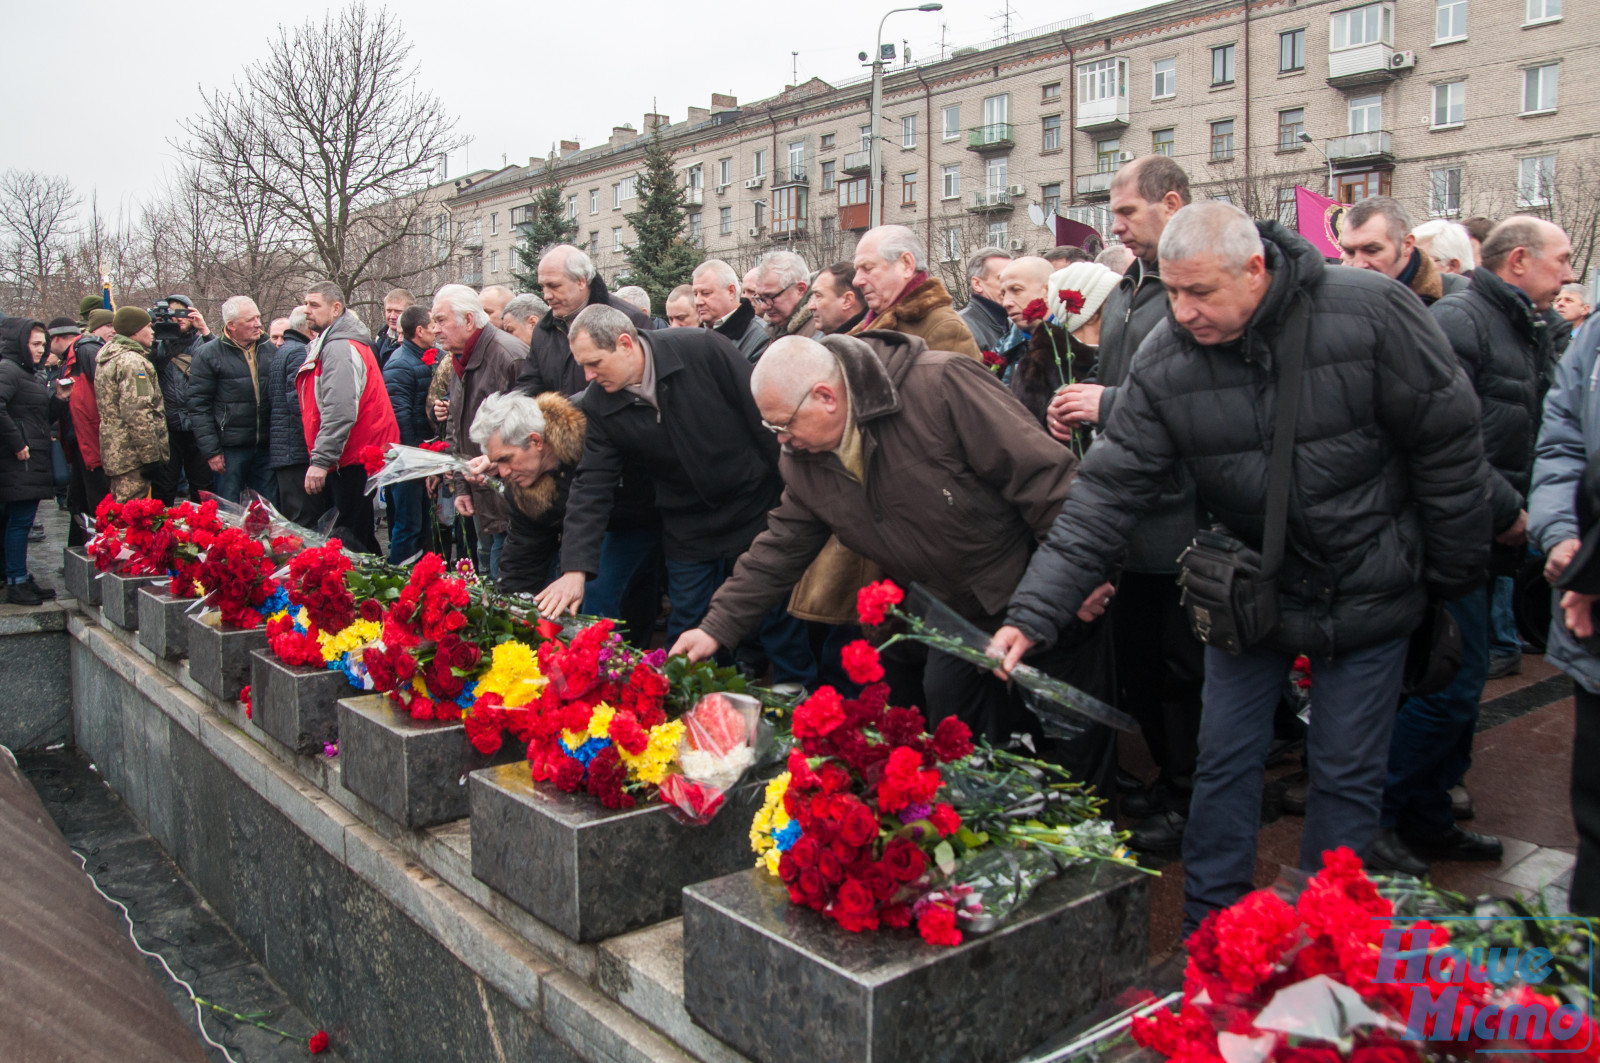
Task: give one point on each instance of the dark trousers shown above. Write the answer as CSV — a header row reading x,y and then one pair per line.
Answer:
x,y
293,502
627,587
1432,742
1585,898
690,585
85,488
1161,671
184,461
408,520
18,522
1354,699
347,491
248,467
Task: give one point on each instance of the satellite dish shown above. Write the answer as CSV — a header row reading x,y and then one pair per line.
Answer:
x,y
1036,215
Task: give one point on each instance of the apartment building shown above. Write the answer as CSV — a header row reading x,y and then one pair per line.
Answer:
x,y
1455,107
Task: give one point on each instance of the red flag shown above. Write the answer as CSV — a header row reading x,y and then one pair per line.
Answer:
x,y
1319,219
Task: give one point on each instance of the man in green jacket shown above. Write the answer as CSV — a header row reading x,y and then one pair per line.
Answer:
x,y
133,423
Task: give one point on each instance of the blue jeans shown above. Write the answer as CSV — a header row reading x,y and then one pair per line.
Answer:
x,y
489,550
19,520
622,554
408,520
1504,640
1433,735
1353,702
690,585
246,467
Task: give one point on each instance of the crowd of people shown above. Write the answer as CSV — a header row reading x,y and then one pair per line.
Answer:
x,y
1366,449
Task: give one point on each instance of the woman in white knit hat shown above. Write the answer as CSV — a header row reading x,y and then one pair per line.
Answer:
x,y
1063,347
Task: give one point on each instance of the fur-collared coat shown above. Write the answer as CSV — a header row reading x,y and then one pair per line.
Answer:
x,y
534,536
928,312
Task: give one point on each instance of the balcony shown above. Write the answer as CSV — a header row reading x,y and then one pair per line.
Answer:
x,y
1366,149
1366,64
857,163
988,139
1108,113
1095,185
855,216
991,201
474,279
790,178
694,196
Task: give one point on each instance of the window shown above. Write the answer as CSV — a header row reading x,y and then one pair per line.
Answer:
x,y
494,262
477,226
1103,79
696,178
952,122
1544,10
1366,114
1290,124
1222,141
1051,92
789,211
594,201
1164,142
1107,155
1354,187
1051,194
1292,50
758,163
572,205
594,242
797,161
1539,88
630,188
1535,175
908,189
1288,215
866,138
994,175
950,245
1222,65
725,221
999,232
997,112
853,193
908,131
1449,20
1444,192
827,141
1372,24
830,232
1164,79
616,196
1449,104
521,215
1050,139
724,173
761,215
616,238
695,231
827,176
494,225
952,181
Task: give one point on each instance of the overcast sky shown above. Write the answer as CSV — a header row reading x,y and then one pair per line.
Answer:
x,y
97,90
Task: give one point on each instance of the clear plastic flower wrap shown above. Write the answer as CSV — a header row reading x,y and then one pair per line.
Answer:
x,y
721,741
404,463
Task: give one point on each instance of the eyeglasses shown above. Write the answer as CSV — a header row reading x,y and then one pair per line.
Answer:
x,y
779,429
768,300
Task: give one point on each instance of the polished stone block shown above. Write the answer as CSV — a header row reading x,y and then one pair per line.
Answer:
x,y
119,598
219,657
163,622
79,575
414,771
297,705
593,872
784,984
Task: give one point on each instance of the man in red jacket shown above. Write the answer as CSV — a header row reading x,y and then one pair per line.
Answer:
x,y
345,409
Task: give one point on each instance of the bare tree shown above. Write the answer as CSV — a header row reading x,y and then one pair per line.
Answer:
x,y
323,132
37,212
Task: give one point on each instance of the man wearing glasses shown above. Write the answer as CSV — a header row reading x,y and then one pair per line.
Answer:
x,y
783,294
677,403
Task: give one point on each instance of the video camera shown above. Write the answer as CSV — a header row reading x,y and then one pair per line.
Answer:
x,y
166,322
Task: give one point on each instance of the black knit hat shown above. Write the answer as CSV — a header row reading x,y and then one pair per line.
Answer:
x,y
61,326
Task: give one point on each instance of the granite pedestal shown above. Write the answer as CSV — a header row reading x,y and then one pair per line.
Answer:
x,y
298,705
79,574
784,984
414,771
219,657
593,872
119,598
163,622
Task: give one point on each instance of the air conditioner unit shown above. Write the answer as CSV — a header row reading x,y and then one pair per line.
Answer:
x,y
1124,156
722,190
1403,60
756,230
1016,190
755,182
1019,245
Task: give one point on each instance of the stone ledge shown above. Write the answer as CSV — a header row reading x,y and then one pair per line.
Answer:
x,y
33,619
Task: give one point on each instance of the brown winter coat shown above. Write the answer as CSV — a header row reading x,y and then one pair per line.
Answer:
x,y
493,365
960,483
927,312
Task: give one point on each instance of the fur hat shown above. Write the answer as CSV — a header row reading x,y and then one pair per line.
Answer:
x,y
1091,281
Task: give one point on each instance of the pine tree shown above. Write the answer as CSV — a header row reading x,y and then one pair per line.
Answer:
x,y
551,224
660,258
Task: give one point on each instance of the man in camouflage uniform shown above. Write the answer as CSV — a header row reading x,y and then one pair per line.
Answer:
x,y
133,423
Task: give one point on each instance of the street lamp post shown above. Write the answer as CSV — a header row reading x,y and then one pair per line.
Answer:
x,y
875,149
1305,138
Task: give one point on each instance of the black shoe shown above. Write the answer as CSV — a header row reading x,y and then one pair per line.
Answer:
x,y
1502,666
1128,782
46,593
1292,798
1459,843
1390,853
1460,802
1142,804
21,594
1160,833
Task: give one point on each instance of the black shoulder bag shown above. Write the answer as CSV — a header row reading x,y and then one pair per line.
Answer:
x,y
1230,592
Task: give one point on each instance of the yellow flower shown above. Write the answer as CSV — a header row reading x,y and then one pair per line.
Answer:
x,y
600,721
359,634
513,674
771,819
652,764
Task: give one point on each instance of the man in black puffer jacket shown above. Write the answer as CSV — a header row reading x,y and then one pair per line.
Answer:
x,y
1499,330
1386,502
228,408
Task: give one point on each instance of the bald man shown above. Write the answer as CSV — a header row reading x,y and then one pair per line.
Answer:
x,y
878,476
494,299
1022,282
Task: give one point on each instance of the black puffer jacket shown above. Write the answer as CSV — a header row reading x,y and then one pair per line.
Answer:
x,y
173,358
224,408
286,442
1505,346
26,410
1388,488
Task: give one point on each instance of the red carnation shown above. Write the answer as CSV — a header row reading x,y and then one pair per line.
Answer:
x,y
568,774
898,915
626,732
318,1043
861,662
483,731
430,356
371,611
832,777
1071,301
944,819
372,458
952,740
820,713
937,925
1035,311
993,360
874,600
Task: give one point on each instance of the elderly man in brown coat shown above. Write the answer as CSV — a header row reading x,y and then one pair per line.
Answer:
x,y
921,461
892,272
